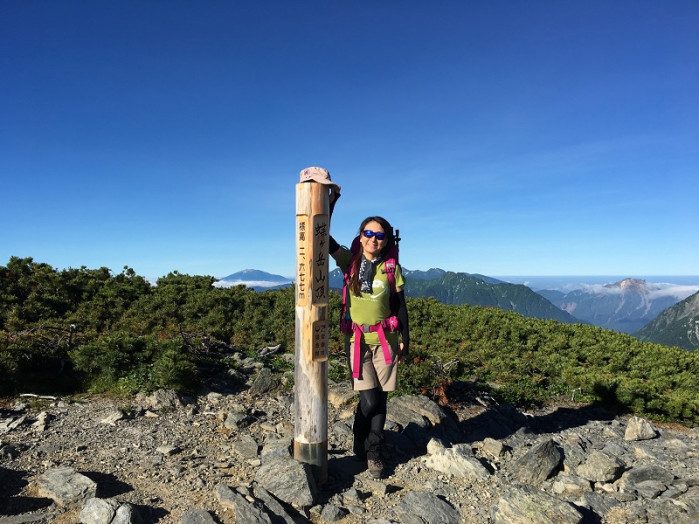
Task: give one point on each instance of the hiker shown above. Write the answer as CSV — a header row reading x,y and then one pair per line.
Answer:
x,y
376,328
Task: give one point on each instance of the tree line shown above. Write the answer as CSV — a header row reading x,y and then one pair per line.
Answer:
x,y
95,331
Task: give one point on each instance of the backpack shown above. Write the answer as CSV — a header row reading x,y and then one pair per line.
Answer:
x,y
391,323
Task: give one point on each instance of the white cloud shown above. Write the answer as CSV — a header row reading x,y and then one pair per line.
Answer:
x,y
601,289
679,292
655,290
248,283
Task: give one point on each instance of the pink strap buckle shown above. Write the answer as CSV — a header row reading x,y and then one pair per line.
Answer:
x,y
358,333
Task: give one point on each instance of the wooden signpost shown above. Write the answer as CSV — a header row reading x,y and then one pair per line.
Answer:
x,y
311,359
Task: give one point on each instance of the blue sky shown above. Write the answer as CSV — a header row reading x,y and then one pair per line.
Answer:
x,y
502,138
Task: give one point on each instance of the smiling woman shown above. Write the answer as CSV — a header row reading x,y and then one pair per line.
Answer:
x,y
375,323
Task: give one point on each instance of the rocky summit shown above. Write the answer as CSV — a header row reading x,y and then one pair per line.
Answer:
x,y
225,457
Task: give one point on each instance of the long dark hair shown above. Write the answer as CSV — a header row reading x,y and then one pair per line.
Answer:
x,y
354,285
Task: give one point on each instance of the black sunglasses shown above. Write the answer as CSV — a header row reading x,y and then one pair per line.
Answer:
x,y
369,233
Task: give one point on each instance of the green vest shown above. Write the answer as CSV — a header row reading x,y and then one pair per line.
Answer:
x,y
372,308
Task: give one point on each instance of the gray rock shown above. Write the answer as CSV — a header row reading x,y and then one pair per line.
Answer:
x,y
538,463
12,423
98,511
600,467
246,447
332,513
575,449
162,399
649,489
264,383
598,503
493,447
341,429
690,500
274,508
528,505
289,480
458,461
66,486
435,446
108,511
126,514
339,395
639,429
356,510
42,421
235,420
418,507
667,512
245,511
421,405
406,417
168,450
9,452
113,416
570,486
639,474
197,516
375,487
275,449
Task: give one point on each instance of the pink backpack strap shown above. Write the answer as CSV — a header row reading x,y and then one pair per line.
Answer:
x,y
358,333
357,361
390,270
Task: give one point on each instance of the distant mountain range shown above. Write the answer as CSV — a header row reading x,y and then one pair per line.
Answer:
x,y
624,306
447,287
676,326
463,288
255,279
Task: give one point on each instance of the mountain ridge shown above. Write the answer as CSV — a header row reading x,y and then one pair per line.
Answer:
x,y
625,306
463,288
677,325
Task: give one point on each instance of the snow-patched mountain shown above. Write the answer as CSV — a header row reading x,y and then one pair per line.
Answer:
x,y
254,278
626,305
676,326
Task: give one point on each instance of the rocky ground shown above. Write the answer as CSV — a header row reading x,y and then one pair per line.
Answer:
x,y
223,457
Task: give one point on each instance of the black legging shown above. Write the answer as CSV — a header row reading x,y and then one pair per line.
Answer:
x,y
372,404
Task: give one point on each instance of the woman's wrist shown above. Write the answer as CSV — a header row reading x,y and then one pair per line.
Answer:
x,y
333,245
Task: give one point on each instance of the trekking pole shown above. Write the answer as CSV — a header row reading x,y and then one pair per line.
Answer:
x,y
311,358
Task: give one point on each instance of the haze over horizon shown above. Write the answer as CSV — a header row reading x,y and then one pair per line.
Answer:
x,y
547,138
679,287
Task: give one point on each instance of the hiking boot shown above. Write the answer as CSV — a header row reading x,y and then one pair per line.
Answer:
x,y
372,445
375,468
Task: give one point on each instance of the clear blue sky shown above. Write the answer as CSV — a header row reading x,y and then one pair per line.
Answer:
x,y
502,138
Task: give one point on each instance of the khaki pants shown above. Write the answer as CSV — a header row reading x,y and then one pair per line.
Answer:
x,y
375,372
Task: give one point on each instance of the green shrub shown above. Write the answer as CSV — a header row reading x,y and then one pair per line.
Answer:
x,y
124,336
124,364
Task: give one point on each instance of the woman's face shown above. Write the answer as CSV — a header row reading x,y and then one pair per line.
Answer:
x,y
371,246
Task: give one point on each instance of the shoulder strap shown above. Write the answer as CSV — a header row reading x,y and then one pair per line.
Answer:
x,y
389,268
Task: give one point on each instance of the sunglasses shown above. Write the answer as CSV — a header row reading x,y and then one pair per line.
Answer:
x,y
369,233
